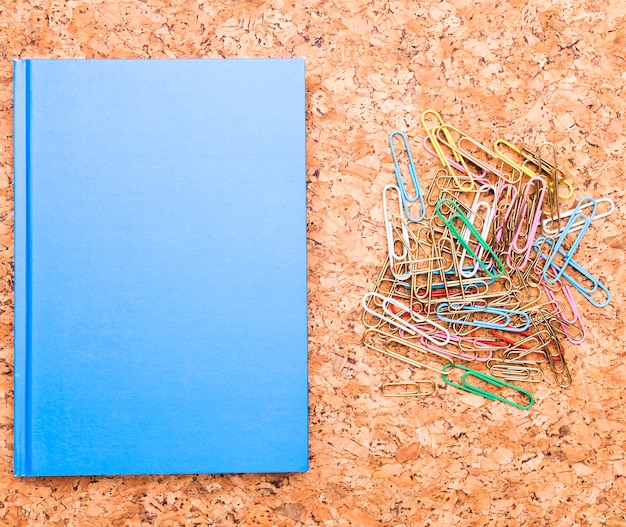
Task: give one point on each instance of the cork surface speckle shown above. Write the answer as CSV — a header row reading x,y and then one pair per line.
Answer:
x,y
525,71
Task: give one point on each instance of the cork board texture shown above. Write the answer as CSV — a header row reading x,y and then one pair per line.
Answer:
x,y
526,71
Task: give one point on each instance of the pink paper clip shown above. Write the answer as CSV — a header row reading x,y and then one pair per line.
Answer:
x,y
535,221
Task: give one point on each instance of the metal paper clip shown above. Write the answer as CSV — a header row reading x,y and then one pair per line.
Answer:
x,y
390,338
553,349
553,186
411,345
567,323
551,169
466,354
557,363
514,370
522,349
505,207
408,388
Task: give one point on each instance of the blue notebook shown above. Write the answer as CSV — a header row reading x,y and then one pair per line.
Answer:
x,y
160,267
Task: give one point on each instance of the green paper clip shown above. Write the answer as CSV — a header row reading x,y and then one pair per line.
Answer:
x,y
449,222
498,383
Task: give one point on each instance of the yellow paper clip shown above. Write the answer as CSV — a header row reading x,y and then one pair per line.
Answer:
x,y
464,186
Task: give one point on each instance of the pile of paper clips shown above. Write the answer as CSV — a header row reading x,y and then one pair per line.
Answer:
x,y
481,267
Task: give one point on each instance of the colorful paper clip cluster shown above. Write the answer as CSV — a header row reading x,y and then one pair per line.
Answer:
x,y
481,267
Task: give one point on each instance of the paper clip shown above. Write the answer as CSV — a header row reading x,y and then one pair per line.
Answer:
x,y
415,347
497,149
462,152
398,241
488,217
587,292
556,360
498,383
464,186
406,199
393,321
559,315
548,231
532,345
418,328
501,314
528,155
504,210
449,222
408,388
479,177
390,338
531,223
576,316
553,186
552,168
577,215
513,370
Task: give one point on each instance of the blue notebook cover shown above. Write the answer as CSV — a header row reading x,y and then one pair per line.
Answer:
x,y
160,267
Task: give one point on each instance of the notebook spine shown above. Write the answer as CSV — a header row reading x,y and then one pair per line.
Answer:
x,y
22,274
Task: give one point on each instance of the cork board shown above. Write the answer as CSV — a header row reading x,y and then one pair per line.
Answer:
x,y
527,71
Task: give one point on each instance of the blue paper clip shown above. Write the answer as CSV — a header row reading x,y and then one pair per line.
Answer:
x,y
406,199
507,315
573,264
584,221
